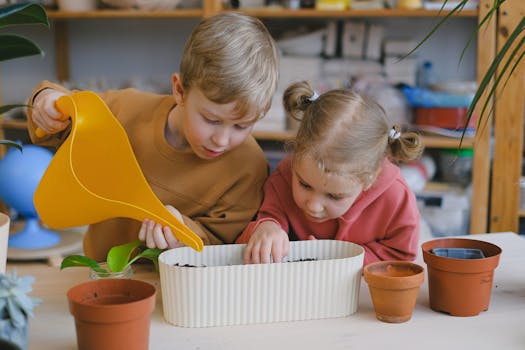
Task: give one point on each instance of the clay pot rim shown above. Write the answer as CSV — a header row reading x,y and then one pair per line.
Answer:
x,y
394,282
150,291
490,262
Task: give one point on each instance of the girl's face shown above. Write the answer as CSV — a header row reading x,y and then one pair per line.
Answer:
x,y
208,128
322,196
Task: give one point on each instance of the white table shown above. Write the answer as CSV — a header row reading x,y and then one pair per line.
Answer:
x,y
501,327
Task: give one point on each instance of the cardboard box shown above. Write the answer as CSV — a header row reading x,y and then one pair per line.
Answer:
x,y
320,279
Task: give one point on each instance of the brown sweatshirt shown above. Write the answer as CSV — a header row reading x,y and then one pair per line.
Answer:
x,y
216,197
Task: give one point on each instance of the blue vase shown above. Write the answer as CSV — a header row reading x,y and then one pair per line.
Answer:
x,y
20,173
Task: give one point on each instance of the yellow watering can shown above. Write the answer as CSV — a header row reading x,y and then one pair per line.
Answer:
x,y
95,176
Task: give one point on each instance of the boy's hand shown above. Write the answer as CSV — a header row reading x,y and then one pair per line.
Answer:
x,y
268,241
45,115
157,236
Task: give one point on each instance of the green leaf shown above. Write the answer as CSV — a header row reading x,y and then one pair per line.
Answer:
x,y
28,13
12,144
80,260
15,46
118,256
150,254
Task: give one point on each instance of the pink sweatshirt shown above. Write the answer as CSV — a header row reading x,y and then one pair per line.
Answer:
x,y
384,220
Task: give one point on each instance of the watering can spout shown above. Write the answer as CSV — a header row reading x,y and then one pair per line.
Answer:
x,y
94,175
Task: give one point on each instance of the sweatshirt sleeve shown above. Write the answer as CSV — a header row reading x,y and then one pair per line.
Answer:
x,y
272,207
54,140
402,234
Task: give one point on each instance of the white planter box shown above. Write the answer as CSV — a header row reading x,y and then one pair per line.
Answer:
x,y
219,290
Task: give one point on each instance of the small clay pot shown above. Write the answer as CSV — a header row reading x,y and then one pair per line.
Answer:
x,y
112,313
460,287
394,287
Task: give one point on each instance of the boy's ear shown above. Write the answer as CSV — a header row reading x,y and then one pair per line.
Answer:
x,y
177,89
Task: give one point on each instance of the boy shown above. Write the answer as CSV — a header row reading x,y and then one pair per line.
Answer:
x,y
194,147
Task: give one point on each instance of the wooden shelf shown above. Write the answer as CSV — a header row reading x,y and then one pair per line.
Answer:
x,y
256,12
430,141
183,13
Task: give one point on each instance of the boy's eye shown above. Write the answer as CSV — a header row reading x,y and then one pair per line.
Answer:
x,y
242,126
210,121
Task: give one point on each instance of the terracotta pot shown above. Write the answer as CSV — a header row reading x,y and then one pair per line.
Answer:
x,y
460,287
112,313
394,287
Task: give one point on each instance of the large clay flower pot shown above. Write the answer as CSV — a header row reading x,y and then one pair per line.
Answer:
x,y
394,287
112,313
460,286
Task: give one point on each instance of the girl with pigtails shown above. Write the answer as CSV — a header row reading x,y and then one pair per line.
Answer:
x,y
339,181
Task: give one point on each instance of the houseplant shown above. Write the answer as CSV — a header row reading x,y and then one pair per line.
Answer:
x,y
15,307
507,59
118,261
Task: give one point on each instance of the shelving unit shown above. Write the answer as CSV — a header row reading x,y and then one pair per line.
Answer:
x,y
481,170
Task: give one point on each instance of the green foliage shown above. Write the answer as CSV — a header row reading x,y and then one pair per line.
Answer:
x,y
118,258
15,304
504,64
15,46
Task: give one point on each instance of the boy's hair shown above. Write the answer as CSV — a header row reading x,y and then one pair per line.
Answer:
x,y
232,57
345,133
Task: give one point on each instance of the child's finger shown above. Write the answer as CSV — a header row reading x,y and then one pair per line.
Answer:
x,y
158,237
150,243
172,241
266,253
142,231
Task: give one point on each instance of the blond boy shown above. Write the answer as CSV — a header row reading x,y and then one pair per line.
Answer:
x,y
194,146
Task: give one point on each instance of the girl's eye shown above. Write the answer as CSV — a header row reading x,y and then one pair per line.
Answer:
x,y
334,197
304,185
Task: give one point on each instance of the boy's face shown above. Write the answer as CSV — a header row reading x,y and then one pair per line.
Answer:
x,y
322,196
210,129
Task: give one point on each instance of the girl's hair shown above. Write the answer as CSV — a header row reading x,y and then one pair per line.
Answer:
x,y
232,57
346,133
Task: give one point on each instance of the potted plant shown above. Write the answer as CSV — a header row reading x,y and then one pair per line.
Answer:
x,y
118,261
113,311
15,307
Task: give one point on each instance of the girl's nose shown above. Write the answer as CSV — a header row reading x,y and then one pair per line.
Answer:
x,y
314,205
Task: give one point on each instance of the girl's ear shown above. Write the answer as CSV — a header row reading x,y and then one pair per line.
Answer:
x,y
177,89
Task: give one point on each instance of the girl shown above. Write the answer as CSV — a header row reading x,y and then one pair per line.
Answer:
x,y
338,181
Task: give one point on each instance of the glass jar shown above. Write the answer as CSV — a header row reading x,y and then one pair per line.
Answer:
x,y
126,273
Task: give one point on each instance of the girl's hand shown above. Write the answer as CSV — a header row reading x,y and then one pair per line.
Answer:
x,y
268,241
45,115
157,236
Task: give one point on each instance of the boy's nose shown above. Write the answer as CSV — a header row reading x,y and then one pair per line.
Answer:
x,y
221,137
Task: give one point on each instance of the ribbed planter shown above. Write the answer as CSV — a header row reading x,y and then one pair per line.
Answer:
x,y
460,287
394,287
112,313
